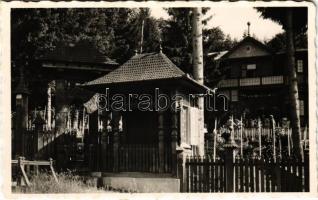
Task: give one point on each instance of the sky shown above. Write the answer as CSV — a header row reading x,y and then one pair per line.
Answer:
x,y
233,21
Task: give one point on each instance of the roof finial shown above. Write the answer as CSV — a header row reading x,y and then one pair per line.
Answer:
x,y
136,52
248,28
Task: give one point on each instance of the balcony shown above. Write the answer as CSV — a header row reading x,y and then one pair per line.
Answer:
x,y
257,81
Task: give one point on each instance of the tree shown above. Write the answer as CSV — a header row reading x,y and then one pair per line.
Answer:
x,y
294,21
197,55
177,36
278,42
144,31
215,40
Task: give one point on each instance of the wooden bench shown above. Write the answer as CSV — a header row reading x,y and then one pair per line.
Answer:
x,y
21,162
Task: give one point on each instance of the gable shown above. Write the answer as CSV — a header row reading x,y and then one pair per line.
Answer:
x,y
248,49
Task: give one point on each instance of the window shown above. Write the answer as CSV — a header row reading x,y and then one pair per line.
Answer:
x,y
234,95
301,108
251,67
300,66
248,70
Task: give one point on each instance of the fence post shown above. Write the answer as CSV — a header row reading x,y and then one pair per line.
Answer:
x,y
21,120
229,147
38,130
161,141
229,167
174,138
115,128
278,175
181,169
306,170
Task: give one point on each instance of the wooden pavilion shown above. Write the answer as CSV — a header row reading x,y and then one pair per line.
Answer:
x,y
151,138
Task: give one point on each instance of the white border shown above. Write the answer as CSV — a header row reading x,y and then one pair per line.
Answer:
x,y
5,92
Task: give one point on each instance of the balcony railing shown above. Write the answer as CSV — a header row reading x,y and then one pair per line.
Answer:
x,y
229,83
250,81
271,80
268,80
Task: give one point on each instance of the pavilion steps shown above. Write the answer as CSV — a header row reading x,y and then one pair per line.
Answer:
x,y
140,182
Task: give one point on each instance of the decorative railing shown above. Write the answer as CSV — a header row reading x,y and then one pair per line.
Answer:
x,y
142,158
250,81
229,83
272,80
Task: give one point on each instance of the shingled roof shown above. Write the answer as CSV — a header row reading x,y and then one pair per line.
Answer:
x,y
141,67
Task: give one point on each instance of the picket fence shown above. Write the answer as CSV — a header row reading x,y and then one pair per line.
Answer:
x,y
246,175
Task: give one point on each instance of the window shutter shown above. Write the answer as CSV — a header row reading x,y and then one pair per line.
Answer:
x,y
194,126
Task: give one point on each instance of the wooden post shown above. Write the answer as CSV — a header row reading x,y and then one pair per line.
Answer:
x,y
104,143
21,165
274,137
161,141
259,129
278,176
181,170
49,106
52,170
115,128
229,147
306,170
38,124
93,132
174,137
21,120
214,139
229,168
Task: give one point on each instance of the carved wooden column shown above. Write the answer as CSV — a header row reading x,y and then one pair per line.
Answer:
x,y
174,137
115,128
161,141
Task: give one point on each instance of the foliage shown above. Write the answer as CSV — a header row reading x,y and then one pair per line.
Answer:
x,y
277,14
112,30
177,37
278,42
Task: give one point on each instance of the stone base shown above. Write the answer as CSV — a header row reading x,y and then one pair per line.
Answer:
x,y
141,182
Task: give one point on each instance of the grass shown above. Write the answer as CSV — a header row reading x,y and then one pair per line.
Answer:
x,y
67,183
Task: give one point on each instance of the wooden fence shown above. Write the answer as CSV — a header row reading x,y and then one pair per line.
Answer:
x,y
246,175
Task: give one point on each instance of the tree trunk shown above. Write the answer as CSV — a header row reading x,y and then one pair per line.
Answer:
x,y
293,83
198,68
